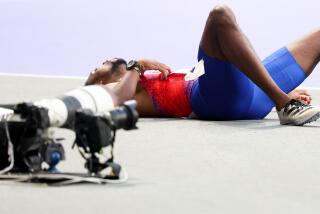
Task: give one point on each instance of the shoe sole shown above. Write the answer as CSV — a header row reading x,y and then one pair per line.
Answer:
x,y
310,120
301,123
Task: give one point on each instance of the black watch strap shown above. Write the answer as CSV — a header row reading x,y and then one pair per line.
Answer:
x,y
135,66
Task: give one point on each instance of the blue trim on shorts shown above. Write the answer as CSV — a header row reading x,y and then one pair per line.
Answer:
x,y
225,93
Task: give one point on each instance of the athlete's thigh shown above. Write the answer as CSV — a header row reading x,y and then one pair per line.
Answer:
x,y
306,51
286,73
223,92
284,69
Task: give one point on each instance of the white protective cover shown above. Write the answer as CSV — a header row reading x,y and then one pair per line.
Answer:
x,y
95,98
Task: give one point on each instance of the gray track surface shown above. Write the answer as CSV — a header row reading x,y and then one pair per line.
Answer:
x,y
182,166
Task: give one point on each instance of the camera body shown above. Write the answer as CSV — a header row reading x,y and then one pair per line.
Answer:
x,y
95,132
26,134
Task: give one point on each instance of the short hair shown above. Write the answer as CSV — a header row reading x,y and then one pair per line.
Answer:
x,y
116,65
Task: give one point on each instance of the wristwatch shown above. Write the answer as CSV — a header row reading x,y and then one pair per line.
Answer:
x,y
135,66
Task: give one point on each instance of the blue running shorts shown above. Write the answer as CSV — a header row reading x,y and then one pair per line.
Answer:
x,y
225,93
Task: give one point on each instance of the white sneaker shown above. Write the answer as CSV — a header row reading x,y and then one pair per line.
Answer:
x,y
297,113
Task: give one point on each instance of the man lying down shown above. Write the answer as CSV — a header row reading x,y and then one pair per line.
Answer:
x,y
228,83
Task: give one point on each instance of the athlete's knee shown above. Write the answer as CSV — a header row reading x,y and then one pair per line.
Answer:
x,y
222,15
316,33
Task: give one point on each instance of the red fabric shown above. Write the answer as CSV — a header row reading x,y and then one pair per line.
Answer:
x,y
170,96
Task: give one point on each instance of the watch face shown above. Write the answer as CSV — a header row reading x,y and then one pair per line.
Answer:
x,y
131,64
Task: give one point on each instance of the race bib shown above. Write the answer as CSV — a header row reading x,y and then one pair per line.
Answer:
x,y
196,72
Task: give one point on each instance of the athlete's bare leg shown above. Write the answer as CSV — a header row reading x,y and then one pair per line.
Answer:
x,y
306,51
223,39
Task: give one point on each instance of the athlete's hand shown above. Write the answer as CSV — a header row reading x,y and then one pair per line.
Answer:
x,y
98,76
155,65
92,78
301,94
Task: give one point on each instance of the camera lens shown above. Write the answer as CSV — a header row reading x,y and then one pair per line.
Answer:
x,y
125,116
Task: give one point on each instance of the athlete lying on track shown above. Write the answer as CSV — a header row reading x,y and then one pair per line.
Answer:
x,y
236,84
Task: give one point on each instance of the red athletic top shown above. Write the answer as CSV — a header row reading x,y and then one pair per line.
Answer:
x,y
170,97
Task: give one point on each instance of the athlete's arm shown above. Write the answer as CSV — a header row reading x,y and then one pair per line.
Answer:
x,y
155,65
127,87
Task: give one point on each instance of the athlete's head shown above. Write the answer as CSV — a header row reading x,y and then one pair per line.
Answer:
x,y
110,71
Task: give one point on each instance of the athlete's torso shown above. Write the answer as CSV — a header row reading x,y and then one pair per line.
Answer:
x,y
169,97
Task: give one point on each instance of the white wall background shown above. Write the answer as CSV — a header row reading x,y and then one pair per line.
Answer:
x,y
71,37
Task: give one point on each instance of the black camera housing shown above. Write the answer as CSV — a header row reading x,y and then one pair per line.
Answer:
x,y
94,132
27,136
